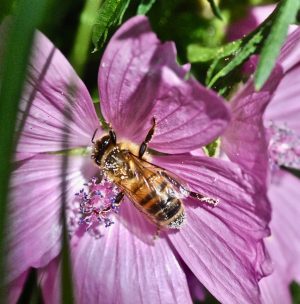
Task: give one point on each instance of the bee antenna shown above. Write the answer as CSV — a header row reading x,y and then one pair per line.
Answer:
x,y
94,136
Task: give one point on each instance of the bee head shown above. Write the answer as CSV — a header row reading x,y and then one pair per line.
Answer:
x,y
100,147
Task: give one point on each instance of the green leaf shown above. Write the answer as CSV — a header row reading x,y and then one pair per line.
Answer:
x,y
31,292
215,9
247,48
198,53
18,42
295,291
221,70
213,148
5,7
67,294
145,6
285,15
110,14
82,42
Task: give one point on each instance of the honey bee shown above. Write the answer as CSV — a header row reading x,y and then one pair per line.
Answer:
x,y
152,190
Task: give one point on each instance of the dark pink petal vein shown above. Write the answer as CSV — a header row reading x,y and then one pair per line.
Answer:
x,y
139,79
56,110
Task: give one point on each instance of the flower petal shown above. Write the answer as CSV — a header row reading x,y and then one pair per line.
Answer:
x,y
14,289
222,246
254,17
244,141
139,79
274,289
290,55
198,292
56,110
36,193
50,281
284,106
284,244
121,267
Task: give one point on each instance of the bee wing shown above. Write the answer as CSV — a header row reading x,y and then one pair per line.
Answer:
x,y
181,188
142,173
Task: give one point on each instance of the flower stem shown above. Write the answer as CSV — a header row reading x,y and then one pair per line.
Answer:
x,y
83,36
16,37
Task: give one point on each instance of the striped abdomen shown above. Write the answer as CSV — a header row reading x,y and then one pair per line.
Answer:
x,y
160,203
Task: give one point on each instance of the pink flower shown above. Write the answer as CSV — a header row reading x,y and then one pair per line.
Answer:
x,y
253,18
138,79
264,135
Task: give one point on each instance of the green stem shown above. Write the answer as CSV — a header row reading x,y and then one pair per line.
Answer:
x,y
83,36
20,30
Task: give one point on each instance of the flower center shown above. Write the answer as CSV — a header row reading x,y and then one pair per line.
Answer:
x,y
284,147
94,207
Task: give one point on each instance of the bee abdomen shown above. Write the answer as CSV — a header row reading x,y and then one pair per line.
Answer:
x,y
167,212
161,205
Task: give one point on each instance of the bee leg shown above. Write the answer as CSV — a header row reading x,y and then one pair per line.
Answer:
x,y
112,135
204,199
149,136
94,136
118,200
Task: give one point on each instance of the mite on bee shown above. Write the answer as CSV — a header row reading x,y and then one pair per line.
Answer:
x,y
152,190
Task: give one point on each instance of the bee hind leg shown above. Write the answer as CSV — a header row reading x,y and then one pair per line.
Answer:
x,y
144,145
202,198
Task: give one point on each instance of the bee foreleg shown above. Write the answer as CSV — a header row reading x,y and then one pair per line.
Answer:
x,y
144,145
118,200
94,136
112,135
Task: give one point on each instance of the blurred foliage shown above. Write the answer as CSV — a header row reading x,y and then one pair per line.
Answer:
x,y
295,291
31,292
213,148
215,9
209,299
198,53
265,40
14,60
194,23
145,6
82,41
